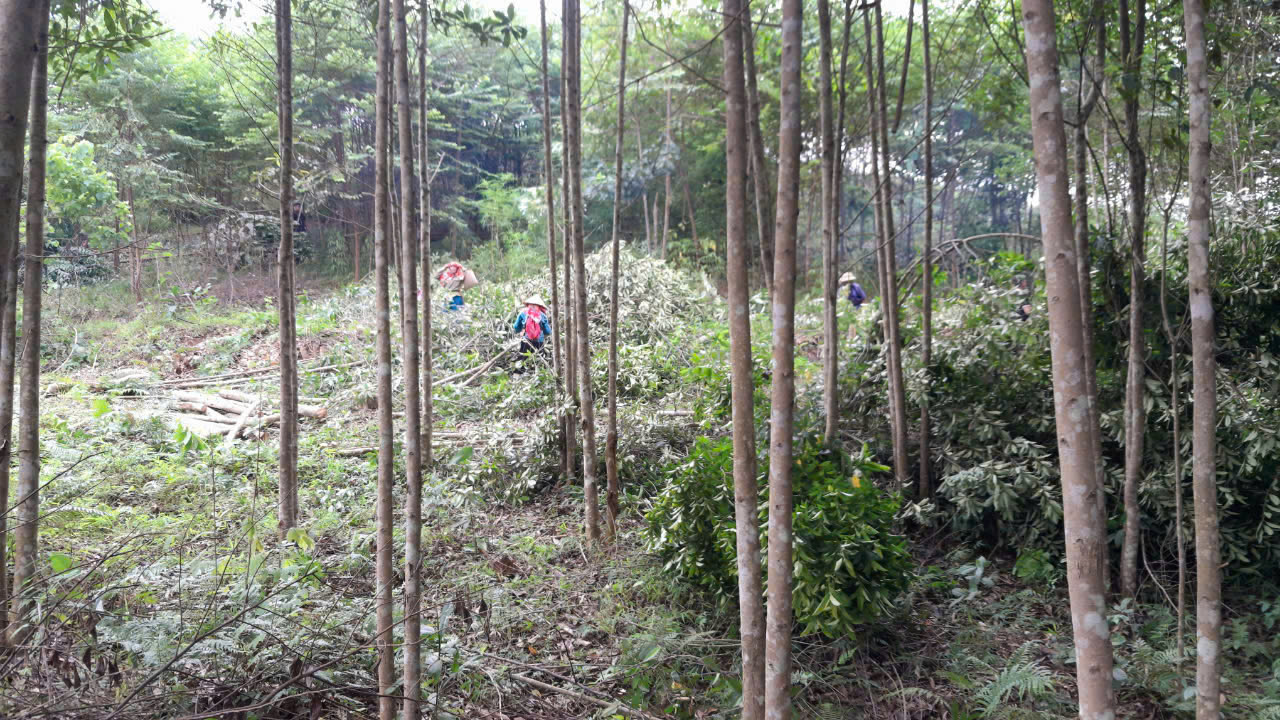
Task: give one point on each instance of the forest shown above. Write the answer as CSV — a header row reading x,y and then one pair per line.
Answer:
x,y
698,359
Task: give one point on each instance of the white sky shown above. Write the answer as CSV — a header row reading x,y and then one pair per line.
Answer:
x,y
194,19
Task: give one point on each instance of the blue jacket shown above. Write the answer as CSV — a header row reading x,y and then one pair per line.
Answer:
x,y
545,323
857,295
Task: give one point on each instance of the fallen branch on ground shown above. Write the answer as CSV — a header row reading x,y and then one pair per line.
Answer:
x,y
615,705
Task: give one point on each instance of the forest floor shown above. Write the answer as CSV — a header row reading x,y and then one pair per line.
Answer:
x,y
169,594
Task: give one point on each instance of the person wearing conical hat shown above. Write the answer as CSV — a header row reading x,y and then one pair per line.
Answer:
x,y
533,324
857,295
453,279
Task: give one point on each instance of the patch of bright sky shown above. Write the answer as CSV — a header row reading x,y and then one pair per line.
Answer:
x,y
194,18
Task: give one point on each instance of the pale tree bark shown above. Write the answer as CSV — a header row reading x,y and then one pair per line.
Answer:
x,y
1175,409
570,322
830,351
1135,414
551,204
899,404
1084,525
611,439
1204,378
424,234
666,195
906,66
384,576
1083,252
26,535
926,293
412,387
18,24
8,342
285,301
746,502
759,166
887,265
782,397
590,483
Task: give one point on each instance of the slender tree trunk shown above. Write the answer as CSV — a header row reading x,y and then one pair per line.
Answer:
x,y
1204,378
586,401
899,404
424,235
663,240
888,254
385,640
288,507
1084,254
551,202
666,197
1135,387
412,387
19,22
611,440
831,352
558,361
746,500
759,166
1084,527
8,343
926,293
906,65
778,640
26,535
571,323
1175,402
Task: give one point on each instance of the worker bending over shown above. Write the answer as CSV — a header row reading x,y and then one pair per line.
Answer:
x,y
533,325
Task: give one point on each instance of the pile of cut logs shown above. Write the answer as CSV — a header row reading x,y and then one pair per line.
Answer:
x,y
231,413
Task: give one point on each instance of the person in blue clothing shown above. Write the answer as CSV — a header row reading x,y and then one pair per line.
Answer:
x,y
857,296
533,325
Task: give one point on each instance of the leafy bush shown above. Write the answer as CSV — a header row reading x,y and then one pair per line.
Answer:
x,y
850,566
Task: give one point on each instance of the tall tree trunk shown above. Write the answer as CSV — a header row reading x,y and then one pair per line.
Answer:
x,y
412,387
1175,409
666,197
611,439
1083,252
886,247
1084,526
926,293
781,416
19,22
288,507
586,400
746,498
570,322
551,202
8,343
831,352
906,65
1135,415
558,361
1204,378
384,576
26,535
759,166
424,234
899,404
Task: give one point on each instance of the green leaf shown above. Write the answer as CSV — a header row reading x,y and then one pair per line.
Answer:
x,y
61,562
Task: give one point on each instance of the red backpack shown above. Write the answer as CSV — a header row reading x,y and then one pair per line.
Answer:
x,y
533,323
